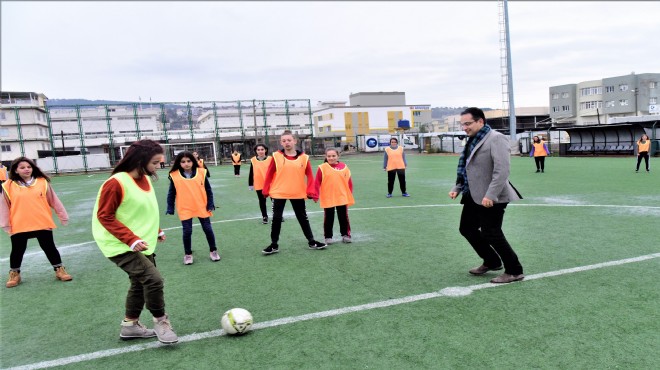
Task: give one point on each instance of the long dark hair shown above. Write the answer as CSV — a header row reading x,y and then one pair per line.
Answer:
x,y
138,156
260,145
36,171
177,161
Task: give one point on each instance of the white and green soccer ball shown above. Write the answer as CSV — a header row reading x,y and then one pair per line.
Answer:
x,y
236,321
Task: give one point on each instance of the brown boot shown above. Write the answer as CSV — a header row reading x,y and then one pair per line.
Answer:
x,y
60,274
14,279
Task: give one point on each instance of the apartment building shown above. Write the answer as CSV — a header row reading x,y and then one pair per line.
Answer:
x,y
596,102
23,125
369,113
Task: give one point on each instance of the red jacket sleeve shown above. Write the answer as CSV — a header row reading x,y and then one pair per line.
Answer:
x,y
311,185
317,183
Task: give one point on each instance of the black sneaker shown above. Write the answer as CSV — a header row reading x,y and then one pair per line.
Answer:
x,y
264,220
270,250
317,245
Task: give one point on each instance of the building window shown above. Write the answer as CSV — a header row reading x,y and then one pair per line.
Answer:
x,y
623,87
564,95
609,89
653,100
597,90
653,85
555,96
2,116
5,148
591,105
4,132
565,108
609,104
555,109
623,102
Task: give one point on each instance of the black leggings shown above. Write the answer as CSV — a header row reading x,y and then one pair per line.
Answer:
x,y
46,242
644,155
262,204
237,169
540,163
301,214
329,220
401,173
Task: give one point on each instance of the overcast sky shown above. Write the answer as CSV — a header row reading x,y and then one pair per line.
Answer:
x,y
441,53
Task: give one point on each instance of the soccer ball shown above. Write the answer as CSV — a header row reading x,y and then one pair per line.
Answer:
x,y
236,321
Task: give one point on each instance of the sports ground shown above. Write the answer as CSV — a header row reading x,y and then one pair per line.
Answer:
x,y
398,297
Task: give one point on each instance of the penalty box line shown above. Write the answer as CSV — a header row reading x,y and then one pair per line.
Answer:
x,y
446,292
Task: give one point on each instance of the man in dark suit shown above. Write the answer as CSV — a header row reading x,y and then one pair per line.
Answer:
x,y
483,179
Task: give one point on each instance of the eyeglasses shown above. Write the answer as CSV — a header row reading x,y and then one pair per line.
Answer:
x,y
466,124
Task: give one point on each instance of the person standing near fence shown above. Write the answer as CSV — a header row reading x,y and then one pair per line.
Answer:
x,y
201,164
125,226
236,161
643,148
483,180
25,213
258,166
285,180
334,188
191,191
394,162
539,152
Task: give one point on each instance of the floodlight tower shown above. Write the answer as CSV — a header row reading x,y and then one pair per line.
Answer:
x,y
505,66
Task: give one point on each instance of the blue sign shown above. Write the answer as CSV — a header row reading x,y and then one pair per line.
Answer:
x,y
372,143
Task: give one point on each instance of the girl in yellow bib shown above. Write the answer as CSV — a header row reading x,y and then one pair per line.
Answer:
x,y
125,223
643,147
285,180
335,191
539,151
236,161
258,166
191,191
394,162
25,214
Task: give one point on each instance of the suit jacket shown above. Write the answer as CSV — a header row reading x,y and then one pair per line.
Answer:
x,y
488,168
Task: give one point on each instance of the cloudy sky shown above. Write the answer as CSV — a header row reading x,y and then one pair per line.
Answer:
x,y
441,53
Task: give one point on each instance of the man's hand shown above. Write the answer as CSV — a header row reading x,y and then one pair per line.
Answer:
x,y
486,202
453,194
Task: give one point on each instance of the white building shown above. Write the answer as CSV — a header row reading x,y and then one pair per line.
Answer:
x,y
368,113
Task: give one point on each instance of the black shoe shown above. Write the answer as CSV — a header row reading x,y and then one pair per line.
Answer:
x,y
264,220
270,250
537,171
542,171
317,245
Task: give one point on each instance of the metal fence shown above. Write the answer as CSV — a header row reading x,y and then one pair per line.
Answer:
x,y
82,138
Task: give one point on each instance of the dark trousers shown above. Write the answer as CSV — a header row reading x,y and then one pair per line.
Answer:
x,y
237,169
301,214
146,284
187,233
262,204
482,227
644,155
329,220
401,173
540,163
46,242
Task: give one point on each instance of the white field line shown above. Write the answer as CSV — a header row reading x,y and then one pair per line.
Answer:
x,y
446,292
364,209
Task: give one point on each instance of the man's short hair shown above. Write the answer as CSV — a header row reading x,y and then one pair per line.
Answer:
x,y
476,113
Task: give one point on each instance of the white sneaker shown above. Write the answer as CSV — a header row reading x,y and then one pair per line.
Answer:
x,y
187,259
328,241
164,331
346,239
135,330
215,257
